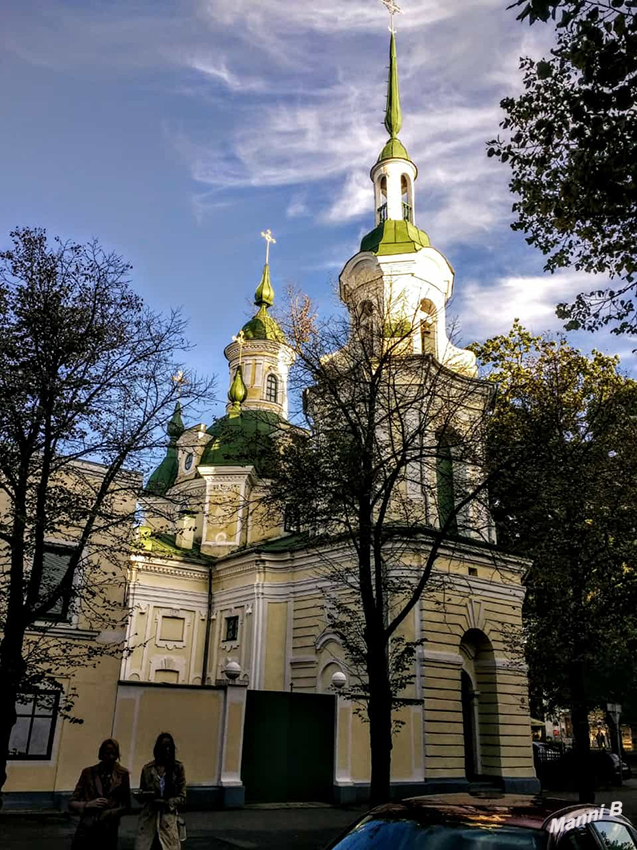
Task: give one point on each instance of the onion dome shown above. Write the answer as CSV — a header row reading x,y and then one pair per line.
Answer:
x,y
263,326
237,393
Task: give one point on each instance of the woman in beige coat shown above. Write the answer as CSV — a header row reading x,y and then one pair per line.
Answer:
x,y
162,789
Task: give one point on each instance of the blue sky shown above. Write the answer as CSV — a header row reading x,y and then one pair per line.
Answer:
x,y
176,130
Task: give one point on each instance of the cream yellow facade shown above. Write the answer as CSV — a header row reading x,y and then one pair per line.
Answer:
x,y
229,646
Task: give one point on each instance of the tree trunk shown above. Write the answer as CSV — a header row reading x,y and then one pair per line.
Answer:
x,y
12,669
380,722
581,734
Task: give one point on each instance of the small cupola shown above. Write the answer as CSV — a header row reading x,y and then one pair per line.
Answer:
x,y
394,173
259,357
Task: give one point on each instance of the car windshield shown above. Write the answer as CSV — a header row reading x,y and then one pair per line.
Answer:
x,y
378,834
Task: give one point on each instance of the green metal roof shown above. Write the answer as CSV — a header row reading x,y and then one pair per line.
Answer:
x,y
242,440
395,237
165,475
394,149
263,326
164,546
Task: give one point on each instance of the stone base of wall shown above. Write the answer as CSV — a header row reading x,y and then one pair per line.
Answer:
x,y
359,792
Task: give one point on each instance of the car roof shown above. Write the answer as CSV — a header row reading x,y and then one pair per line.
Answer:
x,y
489,809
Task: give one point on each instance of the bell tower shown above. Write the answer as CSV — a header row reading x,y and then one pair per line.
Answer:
x,y
397,273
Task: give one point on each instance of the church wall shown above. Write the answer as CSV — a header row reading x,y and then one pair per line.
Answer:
x,y
192,715
168,622
38,782
276,646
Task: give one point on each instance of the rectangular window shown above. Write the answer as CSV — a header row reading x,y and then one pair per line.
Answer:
x,y
32,735
473,571
232,628
172,628
55,564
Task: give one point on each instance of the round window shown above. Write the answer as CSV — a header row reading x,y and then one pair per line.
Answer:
x,y
188,462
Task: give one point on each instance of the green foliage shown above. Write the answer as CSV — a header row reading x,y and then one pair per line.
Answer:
x,y
570,504
571,143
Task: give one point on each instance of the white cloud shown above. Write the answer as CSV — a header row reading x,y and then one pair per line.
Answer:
x,y
488,309
292,94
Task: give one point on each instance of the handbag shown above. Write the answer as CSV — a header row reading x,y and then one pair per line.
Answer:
x,y
181,828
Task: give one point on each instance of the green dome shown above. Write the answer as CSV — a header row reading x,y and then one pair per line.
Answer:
x,y
242,440
394,149
395,237
263,326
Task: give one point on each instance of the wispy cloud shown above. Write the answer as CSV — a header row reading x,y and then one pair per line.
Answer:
x,y
487,309
307,84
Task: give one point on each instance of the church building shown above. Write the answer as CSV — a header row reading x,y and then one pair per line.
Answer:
x,y
229,645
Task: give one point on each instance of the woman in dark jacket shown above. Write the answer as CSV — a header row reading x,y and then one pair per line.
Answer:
x,y
101,796
162,789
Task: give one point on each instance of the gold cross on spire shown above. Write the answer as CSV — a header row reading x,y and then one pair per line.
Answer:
x,y
269,239
240,338
393,9
179,379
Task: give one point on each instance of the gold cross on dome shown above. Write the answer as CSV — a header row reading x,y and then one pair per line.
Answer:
x,y
269,240
393,9
179,379
240,338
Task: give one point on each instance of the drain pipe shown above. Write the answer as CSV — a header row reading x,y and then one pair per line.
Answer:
x,y
206,647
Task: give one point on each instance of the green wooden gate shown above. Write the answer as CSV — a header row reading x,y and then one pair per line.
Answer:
x,y
288,747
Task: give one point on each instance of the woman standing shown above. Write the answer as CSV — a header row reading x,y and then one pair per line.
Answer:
x,y
102,796
162,789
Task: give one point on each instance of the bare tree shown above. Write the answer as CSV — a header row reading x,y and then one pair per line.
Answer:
x,y
386,478
85,386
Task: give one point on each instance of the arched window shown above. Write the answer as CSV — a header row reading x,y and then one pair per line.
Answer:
x,y
405,191
381,200
272,388
445,484
428,327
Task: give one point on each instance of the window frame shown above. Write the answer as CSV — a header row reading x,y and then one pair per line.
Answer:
x,y
53,717
64,616
272,388
232,618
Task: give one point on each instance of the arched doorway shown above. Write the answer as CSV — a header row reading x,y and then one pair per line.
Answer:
x,y
469,726
479,694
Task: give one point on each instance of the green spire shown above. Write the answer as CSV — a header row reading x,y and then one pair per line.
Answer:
x,y
264,294
393,115
176,425
237,393
165,475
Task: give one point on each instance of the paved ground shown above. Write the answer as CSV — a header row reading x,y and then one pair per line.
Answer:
x,y
252,828
627,794
247,829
